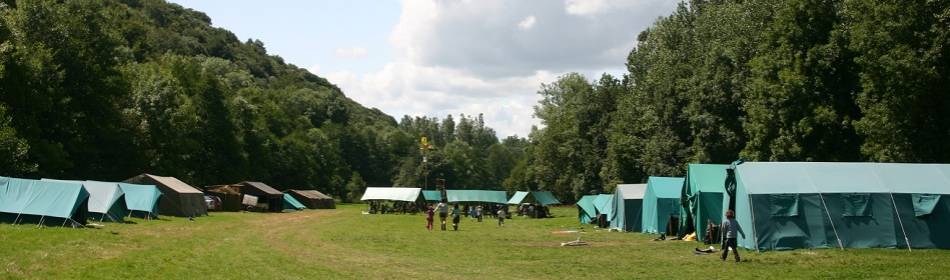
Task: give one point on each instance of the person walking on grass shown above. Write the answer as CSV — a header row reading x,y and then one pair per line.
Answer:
x,y
478,213
501,217
443,210
729,229
429,217
456,216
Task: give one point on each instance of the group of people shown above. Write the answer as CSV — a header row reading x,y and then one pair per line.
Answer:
x,y
533,210
444,212
397,207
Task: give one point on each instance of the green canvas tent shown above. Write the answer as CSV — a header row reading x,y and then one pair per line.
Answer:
x,y
603,205
178,198
498,197
788,205
661,200
106,200
701,198
43,202
291,204
432,196
142,200
544,198
627,206
586,212
265,195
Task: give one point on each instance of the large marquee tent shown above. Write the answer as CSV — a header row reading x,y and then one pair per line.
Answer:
x,y
661,200
178,198
395,194
540,197
106,200
701,198
788,205
497,197
627,204
43,202
586,212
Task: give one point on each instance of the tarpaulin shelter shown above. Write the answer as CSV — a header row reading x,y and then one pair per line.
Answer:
x,y
585,209
627,204
788,205
497,197
265,194
290,203
43,202
432,196
395,194
313,199
701,198
230,196
661,200
141,200
106,200
178,198
544,198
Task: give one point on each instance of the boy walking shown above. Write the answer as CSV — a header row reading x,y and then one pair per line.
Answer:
x,y
729,229
456,216
443,210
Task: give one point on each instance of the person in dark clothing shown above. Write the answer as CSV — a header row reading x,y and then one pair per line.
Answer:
x,y
443,210
456,216
730,227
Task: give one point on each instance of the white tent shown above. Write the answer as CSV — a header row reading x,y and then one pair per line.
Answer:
x,y
106,200
398,194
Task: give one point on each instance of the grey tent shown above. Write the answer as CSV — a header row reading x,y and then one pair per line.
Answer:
x,y
265,194
178,198
313,199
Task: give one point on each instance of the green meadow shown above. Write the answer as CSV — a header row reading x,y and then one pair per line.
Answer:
x,y
345,244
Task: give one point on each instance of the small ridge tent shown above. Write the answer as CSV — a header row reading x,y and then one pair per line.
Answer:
x,y
603,204
313,199
290,203
432,196
142,200
628,207
43,202
230,196
585,209
497,197
661,200
265,194
106,200
789,205
701,198
395,194
178,199
544,198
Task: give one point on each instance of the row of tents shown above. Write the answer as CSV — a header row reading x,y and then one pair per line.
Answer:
x,y
73,202
789,205
544,198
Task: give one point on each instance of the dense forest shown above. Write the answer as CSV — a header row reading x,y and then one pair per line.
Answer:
x,y
106,90
109,89
765,80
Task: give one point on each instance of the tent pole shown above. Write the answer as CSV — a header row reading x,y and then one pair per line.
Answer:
x,y
41,221
755,237
901,222
17,218
822,197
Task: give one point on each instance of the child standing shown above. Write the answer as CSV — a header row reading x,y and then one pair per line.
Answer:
x,y
729,229
456,216
429,217
501,217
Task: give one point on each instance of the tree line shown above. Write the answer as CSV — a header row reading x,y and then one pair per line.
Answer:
x,y
764,80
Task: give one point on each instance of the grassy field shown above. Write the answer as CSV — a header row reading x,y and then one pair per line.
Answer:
x,y
342,243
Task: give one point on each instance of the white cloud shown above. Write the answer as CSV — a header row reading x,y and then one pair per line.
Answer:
x,y
465,58
315,69
527,23
354,52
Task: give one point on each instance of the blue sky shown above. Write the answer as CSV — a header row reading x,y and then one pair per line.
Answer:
x,y
434,57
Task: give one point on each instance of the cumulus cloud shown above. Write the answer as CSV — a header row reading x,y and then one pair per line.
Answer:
x,y
527,23
354,52
465,57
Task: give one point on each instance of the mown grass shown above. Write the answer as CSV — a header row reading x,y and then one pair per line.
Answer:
x,y
342,243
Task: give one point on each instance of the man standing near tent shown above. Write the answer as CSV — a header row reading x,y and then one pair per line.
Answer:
x,y
456,216
729,229
443,212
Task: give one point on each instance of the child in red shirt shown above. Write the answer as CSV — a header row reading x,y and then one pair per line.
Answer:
x,y
429,216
